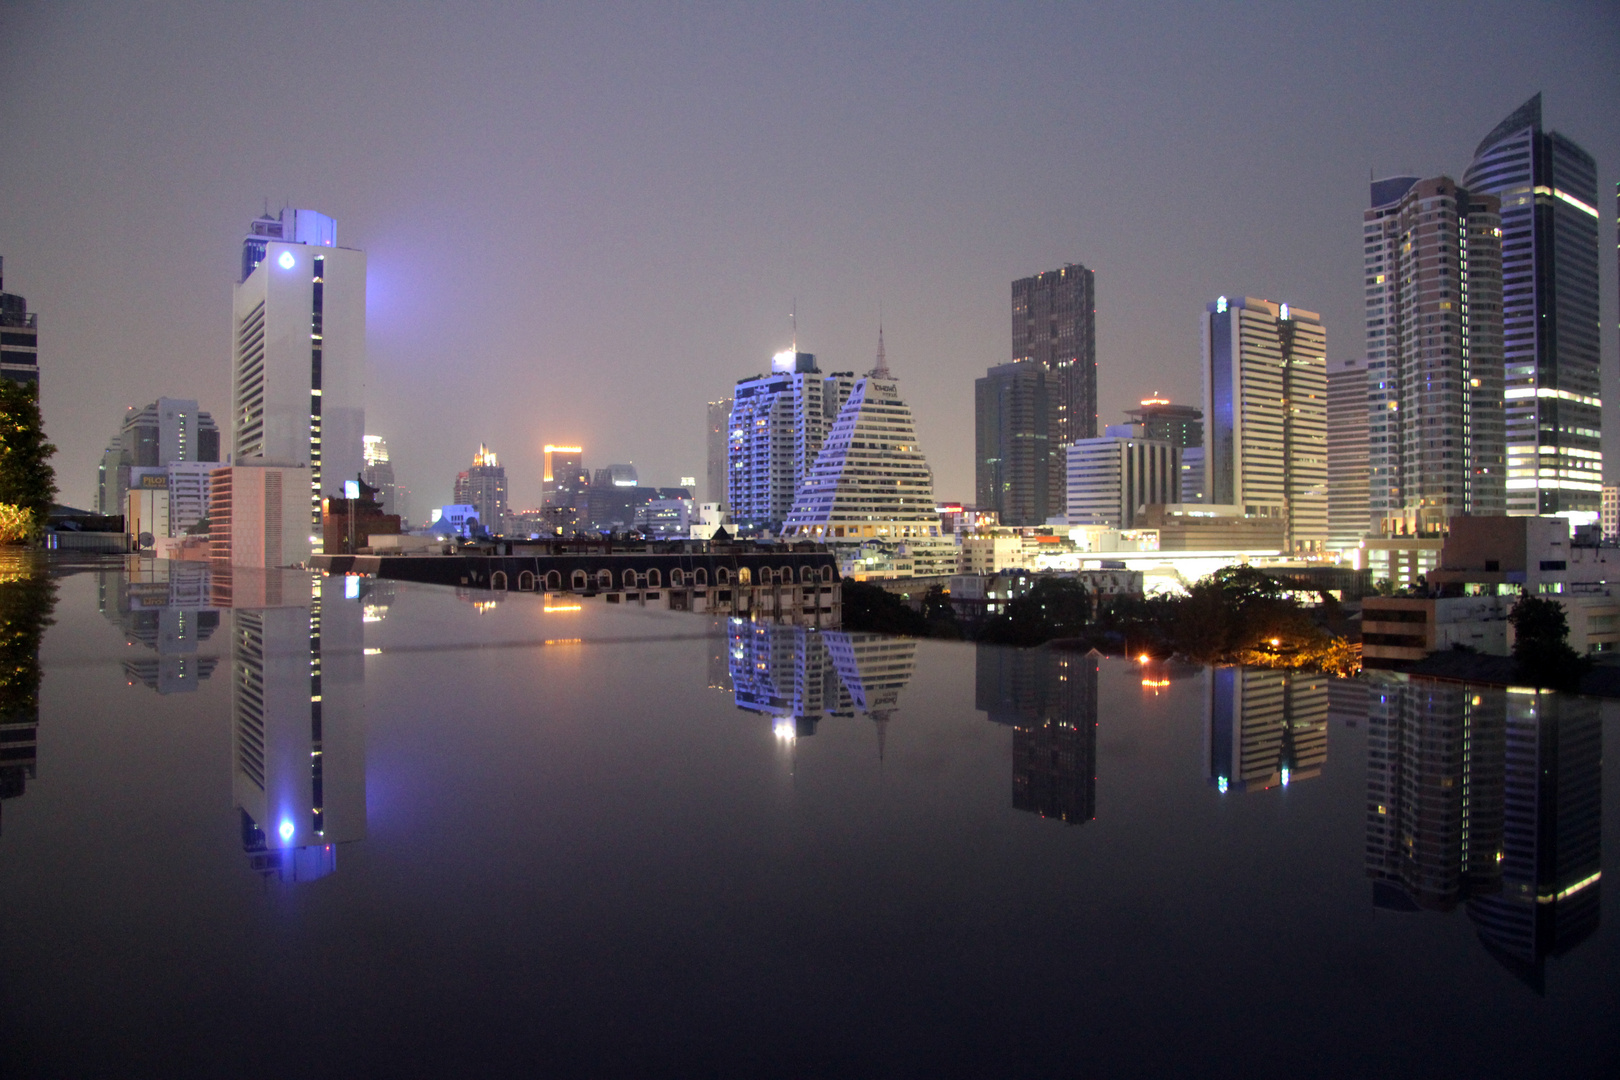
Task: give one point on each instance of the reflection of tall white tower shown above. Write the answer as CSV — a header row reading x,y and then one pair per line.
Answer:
x,y
1264,728
299,727
298,373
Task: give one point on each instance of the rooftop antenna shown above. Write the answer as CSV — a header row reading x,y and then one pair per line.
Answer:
x,y
794,315
881,371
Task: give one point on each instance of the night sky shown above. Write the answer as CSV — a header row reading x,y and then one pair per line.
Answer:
x,y
586,221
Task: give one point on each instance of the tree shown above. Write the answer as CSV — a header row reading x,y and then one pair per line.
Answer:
x,y
27,481
1541,651
1054,607
940,614
872,607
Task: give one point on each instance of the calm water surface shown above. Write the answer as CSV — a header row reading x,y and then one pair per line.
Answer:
x,y
260,826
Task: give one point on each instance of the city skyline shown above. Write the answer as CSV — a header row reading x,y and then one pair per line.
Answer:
x,y
125,244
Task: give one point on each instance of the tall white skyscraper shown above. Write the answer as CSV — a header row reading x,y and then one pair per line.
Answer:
x,y
298,386
379,472
1347,452
1265,414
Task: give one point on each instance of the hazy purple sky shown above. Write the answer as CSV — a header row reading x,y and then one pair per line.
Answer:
x,y
585,221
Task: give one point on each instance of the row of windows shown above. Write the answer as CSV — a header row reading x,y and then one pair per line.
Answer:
x,y
580,580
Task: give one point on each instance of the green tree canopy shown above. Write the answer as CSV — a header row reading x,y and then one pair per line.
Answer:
x,y
27,481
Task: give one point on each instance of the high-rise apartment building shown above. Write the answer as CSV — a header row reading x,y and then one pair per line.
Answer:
x,y
1054,324
778,422
1012,444
379,472
1610,514
483,487
1347,452
1112,478
1433,261
299,356
717,441
19,336
1553,401
1182,426
1265,414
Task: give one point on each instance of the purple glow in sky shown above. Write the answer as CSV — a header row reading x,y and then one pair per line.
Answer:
x,y
584,222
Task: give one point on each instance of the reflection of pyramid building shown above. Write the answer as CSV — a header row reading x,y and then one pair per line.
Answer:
x,y
1551,850
871,483
1434,793
298,726
1265,728
797,674
166,607
1050,700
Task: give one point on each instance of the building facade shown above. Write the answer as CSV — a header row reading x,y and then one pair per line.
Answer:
x,y
871,482
379,472
1265,414
167,430
778,422
1433,261
716,441
1347,419
483,487
1012,444
299,355
1054,325
19,336
1111,479
1547,186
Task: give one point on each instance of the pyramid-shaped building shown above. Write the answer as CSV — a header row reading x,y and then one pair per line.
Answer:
x,y
871,484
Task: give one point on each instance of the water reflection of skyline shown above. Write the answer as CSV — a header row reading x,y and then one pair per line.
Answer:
x,y
798,675
1264,728
167,607
1049,699
1492,798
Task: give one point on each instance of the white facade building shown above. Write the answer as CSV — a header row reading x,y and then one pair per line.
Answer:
x,y
1110,479
299,356
872,483
1265,414
257,515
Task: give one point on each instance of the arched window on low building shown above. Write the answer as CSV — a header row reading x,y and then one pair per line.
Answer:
x,y
578,581
526,581
553,580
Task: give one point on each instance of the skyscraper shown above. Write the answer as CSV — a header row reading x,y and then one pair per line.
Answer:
x,y
1110,479
1012,444
871,481
1548,191
166,431
19,336
1054,324
1347,452
379,472
565,489
714,488
1265,414
298,386
483,487
1433,263
777,425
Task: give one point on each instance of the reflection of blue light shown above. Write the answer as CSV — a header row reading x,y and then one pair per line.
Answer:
x,y
1220,783
286,829
287,261
1285,777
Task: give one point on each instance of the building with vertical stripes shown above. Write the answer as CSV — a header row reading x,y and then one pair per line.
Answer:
x,y
1111,479
1432,254
1347,453
1553,399
299,357
1265,414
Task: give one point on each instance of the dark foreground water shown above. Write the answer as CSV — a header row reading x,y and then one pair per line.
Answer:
x,y
255,827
